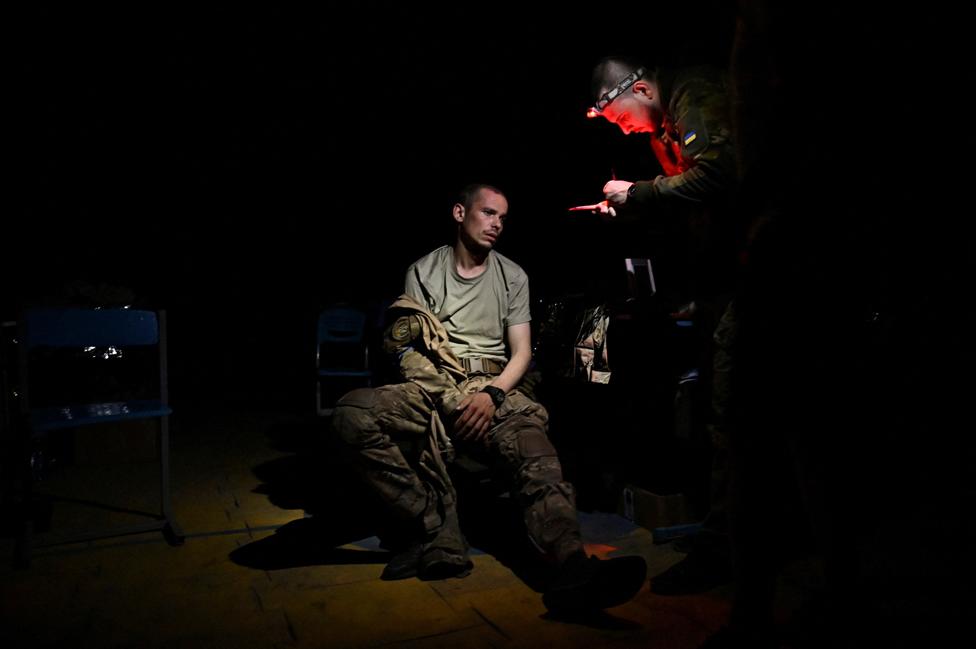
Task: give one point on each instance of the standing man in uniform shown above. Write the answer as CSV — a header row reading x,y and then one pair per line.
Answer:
x,y
686,115
461,337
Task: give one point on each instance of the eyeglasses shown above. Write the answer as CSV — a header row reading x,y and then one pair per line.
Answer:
x,y
615,92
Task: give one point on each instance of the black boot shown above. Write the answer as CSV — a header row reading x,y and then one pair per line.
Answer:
x,y
405,541
588,584
405,563
699,571
440,554
442,564
446,555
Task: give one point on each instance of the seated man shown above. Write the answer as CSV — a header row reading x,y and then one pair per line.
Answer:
x,y
462,303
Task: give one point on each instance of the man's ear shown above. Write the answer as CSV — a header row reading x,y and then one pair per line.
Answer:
x,y
459,212
642,87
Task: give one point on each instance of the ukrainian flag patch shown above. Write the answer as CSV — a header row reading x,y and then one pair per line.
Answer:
x,y
690,137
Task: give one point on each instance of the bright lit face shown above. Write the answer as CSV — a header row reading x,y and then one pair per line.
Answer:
x,y
482,224
633,111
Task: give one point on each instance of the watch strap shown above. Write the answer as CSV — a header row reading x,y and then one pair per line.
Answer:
x,y
497,394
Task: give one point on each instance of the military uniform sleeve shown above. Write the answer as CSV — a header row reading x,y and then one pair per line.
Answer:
x,y
437,382
706,149
404,341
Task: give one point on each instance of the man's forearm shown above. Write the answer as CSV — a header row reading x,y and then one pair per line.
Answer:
x,y
517,365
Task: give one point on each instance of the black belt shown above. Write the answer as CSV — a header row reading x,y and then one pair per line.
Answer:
x,y
483,365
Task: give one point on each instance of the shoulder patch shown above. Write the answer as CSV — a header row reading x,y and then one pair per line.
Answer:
x,y
405,328
690,137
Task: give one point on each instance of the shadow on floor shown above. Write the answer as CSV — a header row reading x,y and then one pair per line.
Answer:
x,y
338,511
313,479
305,542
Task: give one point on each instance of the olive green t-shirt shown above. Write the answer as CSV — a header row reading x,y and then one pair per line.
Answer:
x,y
476,311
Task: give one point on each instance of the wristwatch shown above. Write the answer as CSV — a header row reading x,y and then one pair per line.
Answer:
x,y
497,395
632,190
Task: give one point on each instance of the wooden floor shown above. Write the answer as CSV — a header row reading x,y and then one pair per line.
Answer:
x,y
258,569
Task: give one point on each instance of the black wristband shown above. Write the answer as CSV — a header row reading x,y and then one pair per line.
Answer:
x,y
497,395
632,190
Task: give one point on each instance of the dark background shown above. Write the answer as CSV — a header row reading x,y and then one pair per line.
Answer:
x,y
242,168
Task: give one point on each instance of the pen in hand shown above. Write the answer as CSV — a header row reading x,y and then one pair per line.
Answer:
x,y
602,207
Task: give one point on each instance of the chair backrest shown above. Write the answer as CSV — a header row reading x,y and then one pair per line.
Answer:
x,y
341,325
89,327
57,366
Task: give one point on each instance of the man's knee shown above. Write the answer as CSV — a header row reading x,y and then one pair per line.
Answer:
x,y
353,416
533,444
531,457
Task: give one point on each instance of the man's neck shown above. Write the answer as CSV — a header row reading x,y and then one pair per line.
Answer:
x,y
469,263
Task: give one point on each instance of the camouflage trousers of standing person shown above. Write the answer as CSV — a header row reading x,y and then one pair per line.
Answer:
x,y
715,527
385,433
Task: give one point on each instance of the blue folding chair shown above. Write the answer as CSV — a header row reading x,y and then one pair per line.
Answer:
x,y
113,330
341,351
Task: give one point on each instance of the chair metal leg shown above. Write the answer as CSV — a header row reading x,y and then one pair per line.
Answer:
x,y
25,509
173,533
171,530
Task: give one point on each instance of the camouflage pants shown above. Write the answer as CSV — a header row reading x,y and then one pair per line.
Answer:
x,y
715,527
384,431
